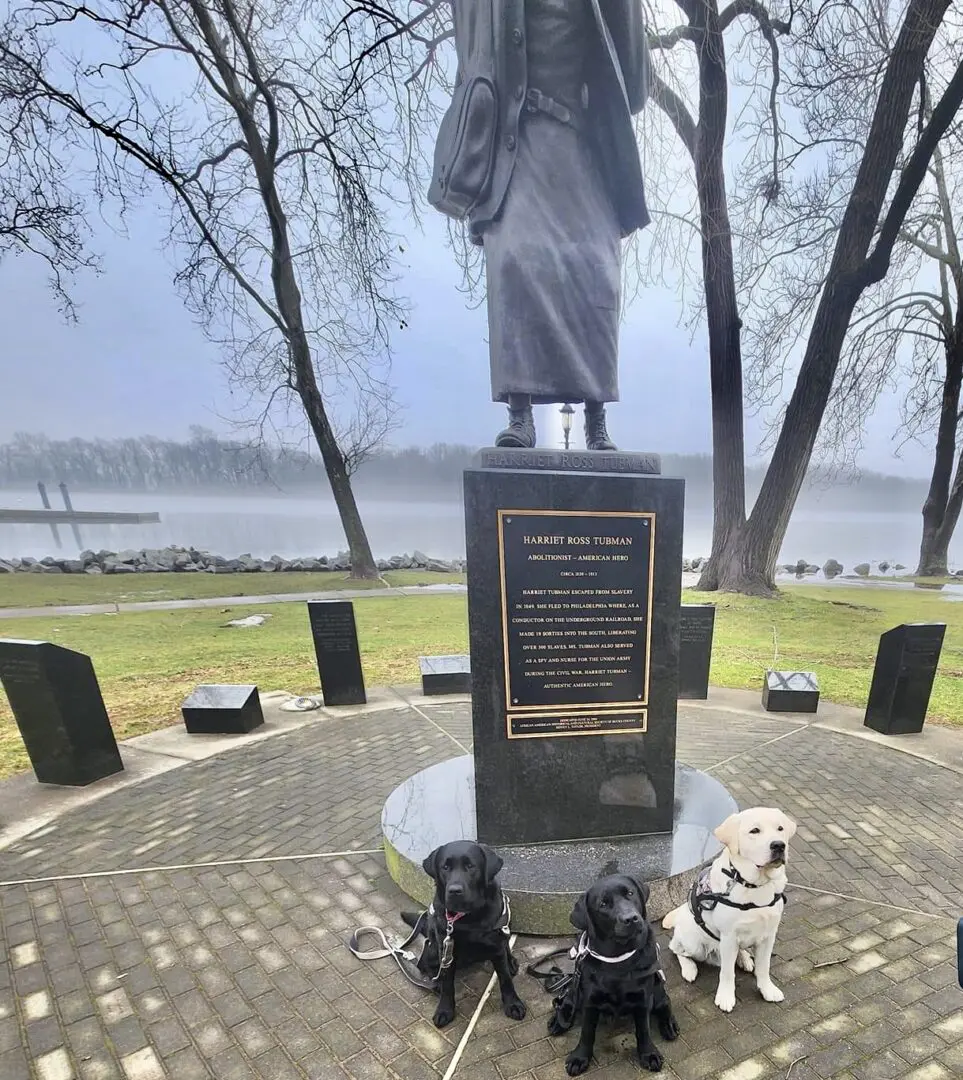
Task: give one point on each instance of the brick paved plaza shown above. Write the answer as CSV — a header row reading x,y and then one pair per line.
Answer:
x,y
109,970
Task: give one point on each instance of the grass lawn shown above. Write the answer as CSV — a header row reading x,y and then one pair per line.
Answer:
x,y
53,590
148,662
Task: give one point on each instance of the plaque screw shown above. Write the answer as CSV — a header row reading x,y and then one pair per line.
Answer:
x,y
508,521
514,700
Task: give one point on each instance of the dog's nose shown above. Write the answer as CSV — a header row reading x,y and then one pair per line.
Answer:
x,y
777,847
631,918
456,890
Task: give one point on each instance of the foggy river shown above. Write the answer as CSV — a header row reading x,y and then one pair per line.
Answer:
x,y
300,525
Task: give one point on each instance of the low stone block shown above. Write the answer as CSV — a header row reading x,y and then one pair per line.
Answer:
x,y
445,675
790,691
218,709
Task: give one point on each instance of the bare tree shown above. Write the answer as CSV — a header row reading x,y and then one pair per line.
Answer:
x,y
247,114
828,241
39,214
703,133
908,335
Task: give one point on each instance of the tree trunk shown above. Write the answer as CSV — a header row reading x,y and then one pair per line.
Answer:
x,y
363,565
751,561
722,313
939,518
288,297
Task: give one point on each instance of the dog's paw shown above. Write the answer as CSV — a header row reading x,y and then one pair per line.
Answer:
x,y
444,1015
514,1008
725,999
688,968
668,1026
557,1026
745,961
651,1060
577,1062
771,992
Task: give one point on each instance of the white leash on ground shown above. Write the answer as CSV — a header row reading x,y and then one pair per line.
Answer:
x,y
460,1048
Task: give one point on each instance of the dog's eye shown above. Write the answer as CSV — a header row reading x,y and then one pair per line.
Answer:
x,y
780,828
755,832
469,866
605,902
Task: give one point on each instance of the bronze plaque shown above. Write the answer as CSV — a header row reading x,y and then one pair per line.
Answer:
x,y
603,722
576,619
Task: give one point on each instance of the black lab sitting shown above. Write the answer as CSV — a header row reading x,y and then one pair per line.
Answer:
x,y
619,972
466,923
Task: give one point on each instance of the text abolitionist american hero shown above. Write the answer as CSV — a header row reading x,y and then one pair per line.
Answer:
x,y
538,152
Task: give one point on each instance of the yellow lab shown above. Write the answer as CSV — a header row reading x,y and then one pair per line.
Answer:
x,y
735,906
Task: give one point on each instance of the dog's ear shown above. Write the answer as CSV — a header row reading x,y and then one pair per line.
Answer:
x,y
643,890
788,825
728,833
580,918
493,862
430,865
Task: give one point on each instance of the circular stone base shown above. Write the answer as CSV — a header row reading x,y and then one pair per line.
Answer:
x,y
437,805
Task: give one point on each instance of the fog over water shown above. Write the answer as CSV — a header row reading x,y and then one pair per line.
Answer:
x,y
292,525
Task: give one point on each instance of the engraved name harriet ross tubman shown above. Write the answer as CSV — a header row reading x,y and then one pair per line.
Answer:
x,y
538,151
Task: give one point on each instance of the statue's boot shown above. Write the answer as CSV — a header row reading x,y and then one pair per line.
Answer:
x,y
596,435
520,432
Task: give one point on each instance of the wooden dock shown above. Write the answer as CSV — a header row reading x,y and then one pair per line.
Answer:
x,y
74,517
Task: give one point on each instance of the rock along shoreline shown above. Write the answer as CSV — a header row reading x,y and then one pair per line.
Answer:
x,y
181,560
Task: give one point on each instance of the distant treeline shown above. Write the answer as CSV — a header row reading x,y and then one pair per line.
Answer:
x,y
207,462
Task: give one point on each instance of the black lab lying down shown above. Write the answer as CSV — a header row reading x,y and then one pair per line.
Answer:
x,y
619,972
466,923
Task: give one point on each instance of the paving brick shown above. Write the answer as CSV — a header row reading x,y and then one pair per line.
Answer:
x,y
240,971
143,1065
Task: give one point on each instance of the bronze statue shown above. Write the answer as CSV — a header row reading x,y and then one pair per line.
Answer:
x,y
538,151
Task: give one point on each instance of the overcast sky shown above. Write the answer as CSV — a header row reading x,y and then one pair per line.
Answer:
x,y
136,362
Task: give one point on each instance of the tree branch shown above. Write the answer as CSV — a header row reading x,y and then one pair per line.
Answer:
x,y
876,266
675,108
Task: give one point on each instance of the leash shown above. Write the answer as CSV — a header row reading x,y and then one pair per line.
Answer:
x,y
397,950
405,958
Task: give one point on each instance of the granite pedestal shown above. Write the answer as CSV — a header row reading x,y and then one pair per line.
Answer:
x,y
573,608
573,614
58,706
437,805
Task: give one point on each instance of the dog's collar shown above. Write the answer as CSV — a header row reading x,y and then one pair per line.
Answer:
x,y
503,924
737,878
583,948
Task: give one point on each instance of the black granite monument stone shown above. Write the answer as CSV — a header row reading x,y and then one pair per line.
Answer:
x,y
790,691
56,701
336,648
573,607
695,650
906,663
445,675
217,709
